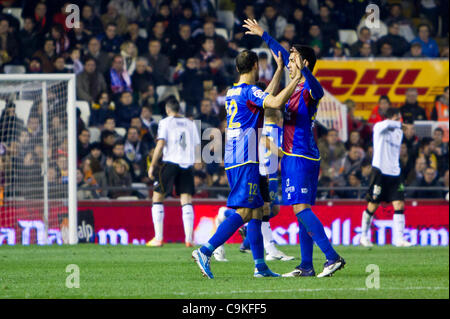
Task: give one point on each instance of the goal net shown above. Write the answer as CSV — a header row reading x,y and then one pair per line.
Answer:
x,y
333,114
37,159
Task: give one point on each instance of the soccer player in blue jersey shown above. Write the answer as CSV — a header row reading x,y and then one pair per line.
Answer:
x,y
301,161
244,105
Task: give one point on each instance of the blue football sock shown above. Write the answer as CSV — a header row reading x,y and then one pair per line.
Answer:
x,y
315,229
229,212
246,242
223,233
255,237
306,247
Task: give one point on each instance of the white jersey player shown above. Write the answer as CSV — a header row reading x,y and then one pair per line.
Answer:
x,y
178,140
386,181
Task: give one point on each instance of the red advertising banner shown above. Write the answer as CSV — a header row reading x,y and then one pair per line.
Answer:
x,y
122,222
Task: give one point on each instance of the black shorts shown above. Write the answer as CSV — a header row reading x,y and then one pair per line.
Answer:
x,y
264,188
385,188
171,174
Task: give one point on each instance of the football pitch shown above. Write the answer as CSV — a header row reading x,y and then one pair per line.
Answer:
x,y
170,273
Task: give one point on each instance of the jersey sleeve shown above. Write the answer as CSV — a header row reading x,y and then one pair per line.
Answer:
x,y
276,47
257,96
162,131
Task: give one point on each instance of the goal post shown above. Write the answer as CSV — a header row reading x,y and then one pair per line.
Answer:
x,y
38,127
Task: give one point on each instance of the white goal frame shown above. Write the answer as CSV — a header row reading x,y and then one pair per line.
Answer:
x,y
71,137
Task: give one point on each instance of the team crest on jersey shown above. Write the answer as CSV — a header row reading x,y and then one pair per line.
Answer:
x,y
258,93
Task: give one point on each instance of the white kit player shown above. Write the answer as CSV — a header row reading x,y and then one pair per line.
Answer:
x,y
178,142
386,181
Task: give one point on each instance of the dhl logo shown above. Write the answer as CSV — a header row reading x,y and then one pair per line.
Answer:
x,y
367,81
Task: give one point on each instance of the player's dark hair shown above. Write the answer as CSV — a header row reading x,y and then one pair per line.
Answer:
x,y
439,130
307,53
245,61
391,112
173,104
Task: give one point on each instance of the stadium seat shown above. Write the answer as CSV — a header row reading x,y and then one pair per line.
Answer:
x,y
222,32
127,198
85,110
227,18
14,69
268,52
348,36
164,91
16,13
23,108
95,134
121,131
144,192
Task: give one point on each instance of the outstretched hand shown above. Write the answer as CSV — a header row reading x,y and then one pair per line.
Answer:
x,y
253,27
278,59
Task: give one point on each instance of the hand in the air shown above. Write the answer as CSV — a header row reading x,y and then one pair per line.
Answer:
x,y
253,27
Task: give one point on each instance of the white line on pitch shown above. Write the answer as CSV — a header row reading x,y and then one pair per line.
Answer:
x,y
307,290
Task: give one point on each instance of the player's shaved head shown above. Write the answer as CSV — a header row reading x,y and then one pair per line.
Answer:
x,y
307,53
173,104
245,61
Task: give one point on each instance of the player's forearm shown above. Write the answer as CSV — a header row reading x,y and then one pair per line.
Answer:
x,y
275,83
278,101
157,152
276,47
316,89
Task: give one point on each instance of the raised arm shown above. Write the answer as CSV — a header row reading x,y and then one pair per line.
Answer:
x,y
382,126
255,29
274,84
316,90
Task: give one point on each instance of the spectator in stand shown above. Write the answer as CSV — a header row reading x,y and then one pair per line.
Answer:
x,y
59,64
200,185
440,149
128,51
364,37
444,51
379,111
352,179
117,78
78,37
415,51
411,140
429,45
440,109
289,34
411,110
375,33
9,47
73,62
145,136
188,17
315,39
406,161
207,52
60,18
245,40
399,44
62,42
265,68
148,123
127,8
337,51
365,51
133,36
272,22
92,23
328,27
366,172
142,78
221,181
354,124
102,59
209,31
107,141
351,162
354,139
159,63
101,109
46,55
110,40
83,144
331,152
429,179
90,83
41,21
182,45
119,176
406,26
158,32
112,16
207,117
385,50
97,158
301,23
126,109
418,171
192,81
135,154
426,149
28,40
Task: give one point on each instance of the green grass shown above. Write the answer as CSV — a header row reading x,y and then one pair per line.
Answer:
x,y
169,272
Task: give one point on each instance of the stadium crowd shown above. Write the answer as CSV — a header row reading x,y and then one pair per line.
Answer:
x,y
122,51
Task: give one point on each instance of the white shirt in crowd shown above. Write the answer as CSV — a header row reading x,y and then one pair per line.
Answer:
x,y
387,140
181,139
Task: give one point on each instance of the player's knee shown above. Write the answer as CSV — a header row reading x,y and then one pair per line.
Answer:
x,y
245,213
398,205
157,197
185,199
258,213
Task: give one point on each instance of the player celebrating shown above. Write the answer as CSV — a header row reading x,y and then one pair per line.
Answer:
x,y
386,181
178,139
244,105
301,161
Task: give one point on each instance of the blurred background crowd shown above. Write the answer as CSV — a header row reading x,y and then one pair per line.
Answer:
x,y
122,51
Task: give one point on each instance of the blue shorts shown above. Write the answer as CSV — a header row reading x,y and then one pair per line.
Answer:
x,y
273,190
244,184
299,177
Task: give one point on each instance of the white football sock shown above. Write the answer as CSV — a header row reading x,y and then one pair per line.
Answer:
x,y
365,224
158,219
398,228
188,222
269,244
